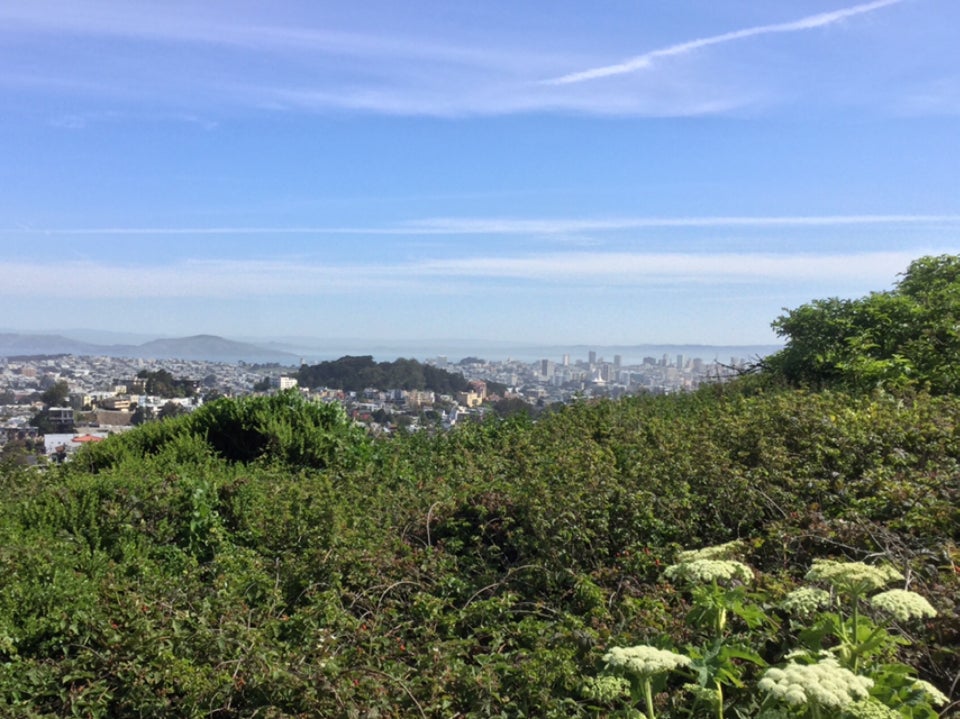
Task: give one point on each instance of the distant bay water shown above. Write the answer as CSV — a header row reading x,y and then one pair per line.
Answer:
x,y
455,350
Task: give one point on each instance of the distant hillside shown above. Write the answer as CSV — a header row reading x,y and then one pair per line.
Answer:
x,y
12,344
199,347
211,347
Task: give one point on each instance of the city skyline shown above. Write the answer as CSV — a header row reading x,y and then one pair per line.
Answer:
x,y
547,174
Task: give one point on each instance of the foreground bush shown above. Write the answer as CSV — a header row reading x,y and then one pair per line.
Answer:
x,y
309,571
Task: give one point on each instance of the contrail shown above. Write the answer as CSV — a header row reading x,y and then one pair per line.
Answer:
x,y
646,60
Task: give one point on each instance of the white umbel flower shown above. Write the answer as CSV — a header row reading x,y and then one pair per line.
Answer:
x,y
825,684
903,604
934,695
805,601
707,571
643,660
854,578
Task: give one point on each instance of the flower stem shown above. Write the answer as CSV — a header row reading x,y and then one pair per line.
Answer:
x,y
855,626
648,696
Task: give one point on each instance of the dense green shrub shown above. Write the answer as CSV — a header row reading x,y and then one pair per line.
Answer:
x,y
262,557
283,427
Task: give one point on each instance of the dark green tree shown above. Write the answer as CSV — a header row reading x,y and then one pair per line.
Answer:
x,y
140,415
18,453
171,409
354,374
213,395
164,384
57,395
905,337
508,407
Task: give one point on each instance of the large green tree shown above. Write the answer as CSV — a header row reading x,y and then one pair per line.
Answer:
x,y
907,336
164,384
354,374
57,395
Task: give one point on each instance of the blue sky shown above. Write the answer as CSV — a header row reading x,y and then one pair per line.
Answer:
x,y
624,172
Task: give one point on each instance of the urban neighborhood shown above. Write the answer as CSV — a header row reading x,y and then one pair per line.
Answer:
x,y
52,405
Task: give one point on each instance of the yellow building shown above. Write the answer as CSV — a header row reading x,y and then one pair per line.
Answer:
x,y
469,399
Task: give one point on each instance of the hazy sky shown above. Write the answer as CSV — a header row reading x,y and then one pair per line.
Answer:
x,y
624,171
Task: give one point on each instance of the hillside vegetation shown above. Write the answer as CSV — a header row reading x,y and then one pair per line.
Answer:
x,y
262,557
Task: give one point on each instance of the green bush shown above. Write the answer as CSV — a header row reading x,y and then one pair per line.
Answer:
x,y
263,557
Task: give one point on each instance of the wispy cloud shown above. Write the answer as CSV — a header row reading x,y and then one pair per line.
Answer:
x,y
221,56
673,268
466,274
82,120
229,279
227,56
251,31
513,226
935,97
647,59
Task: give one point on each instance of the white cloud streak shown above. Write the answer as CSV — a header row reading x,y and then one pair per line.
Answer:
x,y
513,226
222,56
248,279
248,31
673,268
229,56
646,60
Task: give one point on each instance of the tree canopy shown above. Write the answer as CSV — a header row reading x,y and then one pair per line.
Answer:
x,y
164,384
905,337
354,374
57,395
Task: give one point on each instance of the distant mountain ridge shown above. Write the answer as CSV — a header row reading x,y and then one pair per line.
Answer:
x,y
198,347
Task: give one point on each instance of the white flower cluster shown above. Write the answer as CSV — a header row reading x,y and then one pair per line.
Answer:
x,y
730,550
644,661
852,577
903,604
707,571
934,695
825,684
805,601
